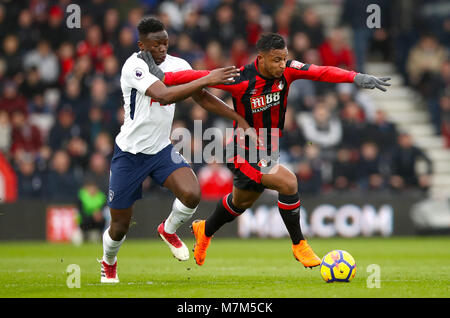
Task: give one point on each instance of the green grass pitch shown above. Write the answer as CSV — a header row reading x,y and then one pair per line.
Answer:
x,y
244,268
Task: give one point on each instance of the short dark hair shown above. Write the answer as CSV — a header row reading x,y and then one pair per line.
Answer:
x,y
150,25
270,41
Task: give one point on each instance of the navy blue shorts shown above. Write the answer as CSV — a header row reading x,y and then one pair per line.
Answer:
x,y
128,171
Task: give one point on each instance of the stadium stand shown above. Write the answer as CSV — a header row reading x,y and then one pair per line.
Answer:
x,y
60,102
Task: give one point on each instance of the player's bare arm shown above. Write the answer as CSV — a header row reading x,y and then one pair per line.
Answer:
x,y
167,95
215,105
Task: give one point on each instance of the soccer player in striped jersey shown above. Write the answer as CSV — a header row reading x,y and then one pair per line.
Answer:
x,y
260,96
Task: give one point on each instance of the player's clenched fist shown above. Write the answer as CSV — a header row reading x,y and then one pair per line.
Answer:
x,y
223,75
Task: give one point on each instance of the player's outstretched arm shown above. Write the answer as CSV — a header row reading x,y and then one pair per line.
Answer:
x,y
175,78
167,95
297,70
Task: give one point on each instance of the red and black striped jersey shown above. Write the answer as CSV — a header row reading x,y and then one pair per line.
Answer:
x,y
262,101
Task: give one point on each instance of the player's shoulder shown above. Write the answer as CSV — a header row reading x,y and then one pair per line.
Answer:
x,y
297,65
174,64
248,71
132,63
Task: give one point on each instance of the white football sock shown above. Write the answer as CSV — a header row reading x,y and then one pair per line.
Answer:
x,y
110,248
179,215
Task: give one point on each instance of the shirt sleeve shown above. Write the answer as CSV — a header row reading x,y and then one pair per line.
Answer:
x,y
297,70
183,77
138,76
186,76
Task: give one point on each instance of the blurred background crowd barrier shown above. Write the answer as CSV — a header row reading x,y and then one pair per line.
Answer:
x,y
61,106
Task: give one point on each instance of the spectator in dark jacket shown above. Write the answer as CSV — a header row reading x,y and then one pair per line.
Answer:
x,y
370,175
382,132
353,125
345,170
64,129
73,99
310,24
30,182
62,184
10,52
309,178
404,160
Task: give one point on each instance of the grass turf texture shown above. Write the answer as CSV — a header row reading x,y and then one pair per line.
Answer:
x,y
256,268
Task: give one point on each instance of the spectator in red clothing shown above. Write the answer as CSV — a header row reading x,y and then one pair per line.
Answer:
x,y
11,100
282,21
239,52
214,56
215,181
94,47
253,26
25,136
335,51
66,55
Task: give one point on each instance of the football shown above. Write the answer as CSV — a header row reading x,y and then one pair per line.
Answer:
x,y
338,266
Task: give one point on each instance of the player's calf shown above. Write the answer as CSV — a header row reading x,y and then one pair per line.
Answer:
x,y
289,207
225,212
203,230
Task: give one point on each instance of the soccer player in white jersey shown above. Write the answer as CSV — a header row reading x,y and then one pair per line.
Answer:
x,y
143,147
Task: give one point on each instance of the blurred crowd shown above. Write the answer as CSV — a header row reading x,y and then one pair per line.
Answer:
x,y
61,103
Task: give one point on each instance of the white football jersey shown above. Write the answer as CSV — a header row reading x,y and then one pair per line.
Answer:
x,y
147,124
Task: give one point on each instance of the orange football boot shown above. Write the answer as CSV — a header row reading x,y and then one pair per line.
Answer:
x,y
305,255
201,241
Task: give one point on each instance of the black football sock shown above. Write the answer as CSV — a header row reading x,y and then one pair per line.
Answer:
x,y
225,212
289,207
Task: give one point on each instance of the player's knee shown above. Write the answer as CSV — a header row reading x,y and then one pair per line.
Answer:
x,y
191,198
242,205
118,230
289,186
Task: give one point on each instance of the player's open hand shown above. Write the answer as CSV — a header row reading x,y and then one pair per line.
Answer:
x,y
223,75
369,81
152,67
